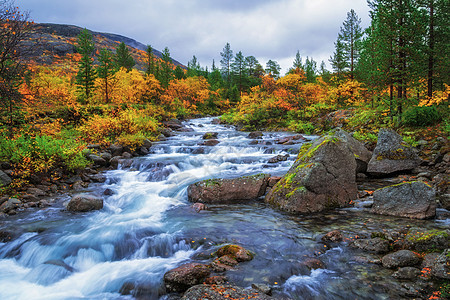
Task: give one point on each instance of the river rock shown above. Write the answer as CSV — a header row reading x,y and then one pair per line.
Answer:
x,y
333,236
220,292
84,203
402,258
441,267
98,160
407,273
273,180
236,252
391,155
106,156
264,288
322,177
115,149
290,139
199,207
423,240
209,143
173,124
376,245
278,158
5,180
114,161
414,200
445,201
228,190
360,152
182,278
10,205
210,135
255,135
313,263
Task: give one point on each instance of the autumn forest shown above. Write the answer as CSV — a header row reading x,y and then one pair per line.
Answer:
x,y
394,73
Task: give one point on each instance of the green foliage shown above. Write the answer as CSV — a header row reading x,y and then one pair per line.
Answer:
x,y
422,116
86,73
301,126
40,154
123,57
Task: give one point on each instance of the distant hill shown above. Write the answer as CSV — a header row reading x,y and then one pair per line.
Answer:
x,y
55,41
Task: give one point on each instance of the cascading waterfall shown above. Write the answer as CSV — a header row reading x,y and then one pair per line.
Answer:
x,y
147,228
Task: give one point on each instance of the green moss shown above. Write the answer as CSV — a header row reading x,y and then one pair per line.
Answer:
x,y
211,182
425,236
300,189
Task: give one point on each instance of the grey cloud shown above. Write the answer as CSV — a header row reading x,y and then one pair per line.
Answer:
x,y
273,29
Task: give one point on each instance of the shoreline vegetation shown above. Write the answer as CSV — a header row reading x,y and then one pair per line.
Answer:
x,y
67,93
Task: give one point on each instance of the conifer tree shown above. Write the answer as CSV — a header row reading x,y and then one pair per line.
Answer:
x,y
239,71
225,62
350,36
86,73
273,68
123,57
166,70
106,69
338,61
150,61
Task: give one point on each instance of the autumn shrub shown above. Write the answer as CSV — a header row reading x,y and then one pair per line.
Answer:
x,y
421,116
119,124
302,126
41,154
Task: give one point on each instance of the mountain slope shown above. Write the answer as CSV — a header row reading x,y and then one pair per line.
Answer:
x,y
54,41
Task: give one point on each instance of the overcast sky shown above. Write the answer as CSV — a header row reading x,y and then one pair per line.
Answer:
x,y
266,29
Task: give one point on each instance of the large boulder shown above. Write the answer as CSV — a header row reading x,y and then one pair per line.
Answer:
x,y
414,200
180,279
220,292
84,203
4,179
391,155
228,190
360,152
322,177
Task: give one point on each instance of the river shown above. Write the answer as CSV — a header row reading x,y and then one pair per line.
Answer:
x,y
147,227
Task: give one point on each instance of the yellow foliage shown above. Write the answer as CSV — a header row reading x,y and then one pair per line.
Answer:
x,y
438,97
349,92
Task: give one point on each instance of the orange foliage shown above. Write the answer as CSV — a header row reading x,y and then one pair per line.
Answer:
x,y
189,92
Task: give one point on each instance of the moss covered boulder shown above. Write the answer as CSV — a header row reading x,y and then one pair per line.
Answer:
x,y
322,177
392,155
415,200
228,190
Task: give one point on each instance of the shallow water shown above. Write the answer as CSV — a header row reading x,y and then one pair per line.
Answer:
x,y
147,228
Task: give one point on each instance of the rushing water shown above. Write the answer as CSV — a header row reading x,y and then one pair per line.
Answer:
x,y
147,228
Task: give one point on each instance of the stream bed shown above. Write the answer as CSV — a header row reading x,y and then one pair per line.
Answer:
x,y
147,227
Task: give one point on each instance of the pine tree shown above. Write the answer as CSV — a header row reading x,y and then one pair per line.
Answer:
x,y
150,61
351,36
106,69
298,64
166,72
239,70
194,68
123,57
338,61
310,69
225,62
86,73
273,69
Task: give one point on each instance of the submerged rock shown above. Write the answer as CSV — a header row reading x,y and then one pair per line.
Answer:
x,y
414,200
228,190
322,177
391,155
376,245
255,135
236,252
